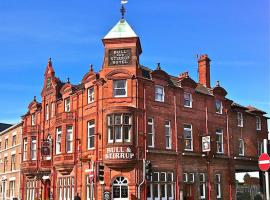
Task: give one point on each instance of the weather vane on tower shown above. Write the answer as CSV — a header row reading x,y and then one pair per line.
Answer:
x,y
123,10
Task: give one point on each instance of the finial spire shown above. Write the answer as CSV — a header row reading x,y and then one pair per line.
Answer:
x,y
91,68
68,80
123,10
158,66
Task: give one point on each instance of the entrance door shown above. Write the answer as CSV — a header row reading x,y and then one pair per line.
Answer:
x,y
120,188
47,190
189,192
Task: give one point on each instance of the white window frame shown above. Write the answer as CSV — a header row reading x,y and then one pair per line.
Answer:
x,y
222,141
170,184
240,120
69,140
185,177
163,182
67,104
14,140
58,139
90,95
203,182
161,94
221,106
241,147
258,123
6,143
25,149
52,109
115,88
152,133
158,186
13,162
168,134
11,189
191,131
90,126
189,99
218,183
33,148
47,114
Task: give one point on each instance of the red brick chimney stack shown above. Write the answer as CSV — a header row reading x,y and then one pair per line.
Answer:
x,y
204,70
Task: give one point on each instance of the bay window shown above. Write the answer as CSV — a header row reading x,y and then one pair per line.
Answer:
x,y
58,140
69,139
119,127
24,149
33,148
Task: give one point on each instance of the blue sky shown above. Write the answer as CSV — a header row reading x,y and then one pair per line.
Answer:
x,y
235,35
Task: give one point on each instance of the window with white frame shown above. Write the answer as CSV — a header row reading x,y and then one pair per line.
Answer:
x,y
150,132
91,134
67,104
202,185
24,149
11,188
5,163
33,119
258,123
47,114
241,147
188,138
187,100
218,185
161,186
69,139
33,148
219,140
240,121
159,93
168,134
120,88
119,127
90,95
218,104
66,188
89,189
58,140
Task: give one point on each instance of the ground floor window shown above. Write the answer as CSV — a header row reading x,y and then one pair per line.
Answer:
x,y
12,188
161,186
31,186
120,188
218,185
66,188
89,189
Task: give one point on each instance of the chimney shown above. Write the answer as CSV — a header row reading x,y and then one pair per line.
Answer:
x,y
204,70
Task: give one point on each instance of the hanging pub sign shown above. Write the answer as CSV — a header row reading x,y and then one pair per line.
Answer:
x,y
46,148
107,195
119,153
119,57
206,141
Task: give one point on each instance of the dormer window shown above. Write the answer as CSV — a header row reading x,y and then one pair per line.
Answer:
x,y
187,100
258,123
159,93
67,104
240,119
120,88
90,95
218,105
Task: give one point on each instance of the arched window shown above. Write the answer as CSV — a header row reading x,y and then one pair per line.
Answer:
x,y
120,188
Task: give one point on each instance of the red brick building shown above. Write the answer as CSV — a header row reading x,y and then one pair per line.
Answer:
x,y
127,113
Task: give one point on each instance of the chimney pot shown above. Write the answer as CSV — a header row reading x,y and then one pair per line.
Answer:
x,y
204,70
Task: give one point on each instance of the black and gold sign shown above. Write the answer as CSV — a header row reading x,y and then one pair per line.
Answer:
x,y
119,56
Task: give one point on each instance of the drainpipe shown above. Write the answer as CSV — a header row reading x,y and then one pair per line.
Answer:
x,y
229,150
176,149
208,162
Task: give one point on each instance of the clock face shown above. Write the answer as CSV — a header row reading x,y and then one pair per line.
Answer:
x,y
49,82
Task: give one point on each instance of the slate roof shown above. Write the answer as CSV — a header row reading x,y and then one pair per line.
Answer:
x,y
4,126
